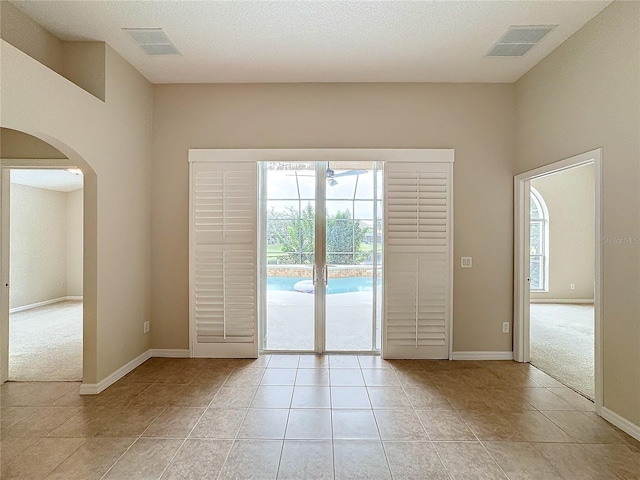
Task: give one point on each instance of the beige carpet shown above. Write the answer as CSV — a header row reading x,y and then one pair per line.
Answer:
x,y
562,344
45,343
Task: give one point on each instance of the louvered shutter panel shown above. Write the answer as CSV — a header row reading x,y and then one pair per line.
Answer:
x,y
417,260
223,286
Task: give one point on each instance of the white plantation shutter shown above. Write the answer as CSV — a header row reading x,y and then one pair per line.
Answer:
x,y
223,251
417,275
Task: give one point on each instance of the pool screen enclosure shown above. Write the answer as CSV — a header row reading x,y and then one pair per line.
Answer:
x,y
321,256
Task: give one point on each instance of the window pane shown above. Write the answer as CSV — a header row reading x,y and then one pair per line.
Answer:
x,y
277,209
365,186
288,181
341,259
282,185
307,185
363,210
535,267
277,230
536,238
535,212
335,206
340,235
341,188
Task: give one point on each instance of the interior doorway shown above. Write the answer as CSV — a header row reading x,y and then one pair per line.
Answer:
x,y
45,340
321,256
562,253
557,272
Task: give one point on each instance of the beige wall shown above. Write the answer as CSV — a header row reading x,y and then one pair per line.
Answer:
x,y
83,63
586,95
15,144
569,196
111,142
46,245
478,121
74,242
38,245
30,37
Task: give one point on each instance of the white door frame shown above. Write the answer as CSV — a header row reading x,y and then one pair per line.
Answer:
x,y
321,267
444,155
4,273
521,184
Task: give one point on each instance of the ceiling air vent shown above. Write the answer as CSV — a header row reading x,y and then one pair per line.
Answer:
x,y
153,41
519,39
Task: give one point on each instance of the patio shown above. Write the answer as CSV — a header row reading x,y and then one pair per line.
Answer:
x,y
290,321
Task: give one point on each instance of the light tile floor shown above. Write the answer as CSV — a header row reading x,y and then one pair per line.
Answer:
x,y
312,417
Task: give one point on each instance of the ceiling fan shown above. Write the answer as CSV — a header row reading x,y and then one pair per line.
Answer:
x,y
331,176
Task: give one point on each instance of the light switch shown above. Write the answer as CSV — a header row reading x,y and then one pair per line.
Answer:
x,y
466,262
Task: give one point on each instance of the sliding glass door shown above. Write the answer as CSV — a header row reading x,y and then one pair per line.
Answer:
x,y
321,256
289,258
353,257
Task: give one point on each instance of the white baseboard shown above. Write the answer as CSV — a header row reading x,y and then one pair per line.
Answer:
x,y
42,304
482,356
36,305
620,422
74,297
95,388
170,352
576,301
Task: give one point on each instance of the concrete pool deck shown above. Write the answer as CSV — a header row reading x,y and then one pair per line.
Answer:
x,y
290,321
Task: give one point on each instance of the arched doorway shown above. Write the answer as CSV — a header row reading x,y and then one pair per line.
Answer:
x,y
24,151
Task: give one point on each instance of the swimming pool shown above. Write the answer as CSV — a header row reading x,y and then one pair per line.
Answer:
x,y
336,285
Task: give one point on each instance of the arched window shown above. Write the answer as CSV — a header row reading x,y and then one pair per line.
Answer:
x,y
539,243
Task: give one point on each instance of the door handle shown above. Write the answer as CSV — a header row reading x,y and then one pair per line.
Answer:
x,y
325,274
314,275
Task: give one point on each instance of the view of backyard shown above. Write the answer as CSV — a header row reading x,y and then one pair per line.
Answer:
x,y
352,251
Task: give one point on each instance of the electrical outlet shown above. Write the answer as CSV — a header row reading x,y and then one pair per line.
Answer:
x,y
572,286
505,327
146,326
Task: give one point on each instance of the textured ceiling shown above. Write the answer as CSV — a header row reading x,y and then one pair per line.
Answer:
x,y
319,41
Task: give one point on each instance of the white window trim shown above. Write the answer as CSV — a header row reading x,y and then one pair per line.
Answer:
x,y
321,155
340,154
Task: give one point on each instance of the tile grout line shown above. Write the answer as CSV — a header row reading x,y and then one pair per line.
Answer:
x,y
188,434
64,460
446,470
333,447
235,438
132,444
286,427
141,433
375,419
493,458
153,421
233,441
